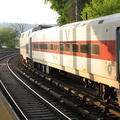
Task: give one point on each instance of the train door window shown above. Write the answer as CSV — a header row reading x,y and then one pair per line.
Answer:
x,y
51,46
67,47
26,48
30,48
95,49
84,48
75,48
61,47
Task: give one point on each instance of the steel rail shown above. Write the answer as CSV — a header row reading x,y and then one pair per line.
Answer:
x,y
12,102
90,98
9,97
35,93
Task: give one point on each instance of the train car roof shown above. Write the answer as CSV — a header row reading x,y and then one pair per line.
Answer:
x,y
99,20
41,27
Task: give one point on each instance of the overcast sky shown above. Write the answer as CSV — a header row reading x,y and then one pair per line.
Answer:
x,y
27,11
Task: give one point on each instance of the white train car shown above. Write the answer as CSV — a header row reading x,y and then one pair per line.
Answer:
x,y
24,43
90,49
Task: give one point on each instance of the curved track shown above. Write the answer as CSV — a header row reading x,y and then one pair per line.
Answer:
x,y
53,106
91,105
30,103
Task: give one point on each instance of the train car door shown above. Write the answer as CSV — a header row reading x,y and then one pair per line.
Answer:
x,y
30,50
118,53
118,62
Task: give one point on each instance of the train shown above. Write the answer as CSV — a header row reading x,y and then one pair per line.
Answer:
x,y
89,49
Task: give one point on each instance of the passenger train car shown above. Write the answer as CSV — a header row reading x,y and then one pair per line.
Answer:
x,y
90,49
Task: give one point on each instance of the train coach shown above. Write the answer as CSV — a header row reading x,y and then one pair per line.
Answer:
x,y
90,49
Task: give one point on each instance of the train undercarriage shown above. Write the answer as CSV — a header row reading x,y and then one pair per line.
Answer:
x,y
106,93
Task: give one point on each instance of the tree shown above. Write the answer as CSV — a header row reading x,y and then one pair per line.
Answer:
x,y
8,37
67,9
61,7
99,8
19,27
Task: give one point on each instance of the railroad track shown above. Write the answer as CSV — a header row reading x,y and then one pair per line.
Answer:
x,y
111,112
30,108
70,114
5,53
29,103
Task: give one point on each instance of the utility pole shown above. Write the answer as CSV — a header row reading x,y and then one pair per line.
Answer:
x,y
77,11
90,3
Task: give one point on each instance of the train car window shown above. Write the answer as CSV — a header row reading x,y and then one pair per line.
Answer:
x,y
46,46
36,46
56,47
39,46
61,47
84,48
67,47
95,49
42,46
101,21
51,46
75,48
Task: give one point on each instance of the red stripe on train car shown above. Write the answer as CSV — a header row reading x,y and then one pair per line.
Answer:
x,y
107,49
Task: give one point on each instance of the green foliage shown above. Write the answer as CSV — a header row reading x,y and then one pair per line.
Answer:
x,y
8,37
66,9
100,8
61,7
